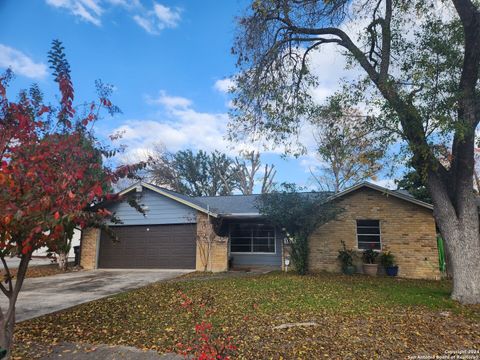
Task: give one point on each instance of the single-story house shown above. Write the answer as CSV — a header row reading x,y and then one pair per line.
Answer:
x,y
215,233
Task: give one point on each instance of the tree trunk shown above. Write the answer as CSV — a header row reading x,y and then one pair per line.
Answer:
x,y
466,267
62,260
7,319
7,325
459,226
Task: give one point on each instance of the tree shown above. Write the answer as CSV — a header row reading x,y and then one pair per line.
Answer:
x,y
298,214
414,184
199,174
346,144
421,63
50,176
247,167
204,174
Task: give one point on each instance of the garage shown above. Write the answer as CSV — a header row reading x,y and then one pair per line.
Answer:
x,y
149,247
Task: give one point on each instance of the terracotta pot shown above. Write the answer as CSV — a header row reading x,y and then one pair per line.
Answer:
x,y
370,269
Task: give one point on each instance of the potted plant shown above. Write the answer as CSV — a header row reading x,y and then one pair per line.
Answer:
x,y
388,262
369,266
346,258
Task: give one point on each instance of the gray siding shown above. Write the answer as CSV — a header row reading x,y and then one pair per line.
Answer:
x,y
261,259
161,210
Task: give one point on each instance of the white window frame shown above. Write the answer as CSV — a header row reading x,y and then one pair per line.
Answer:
x,y
251,242
379,234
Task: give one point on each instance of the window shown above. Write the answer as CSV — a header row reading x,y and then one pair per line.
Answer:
x,y
252,238
368,234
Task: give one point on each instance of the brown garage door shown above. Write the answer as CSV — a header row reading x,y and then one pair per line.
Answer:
x,y
149,247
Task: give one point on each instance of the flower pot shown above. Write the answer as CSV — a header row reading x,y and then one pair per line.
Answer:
x,y
391,270
370,269
348,270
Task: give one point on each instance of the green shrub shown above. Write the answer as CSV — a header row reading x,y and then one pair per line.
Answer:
x,y
369,256
387,259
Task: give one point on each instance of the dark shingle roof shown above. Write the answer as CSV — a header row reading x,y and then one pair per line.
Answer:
x,y
231,204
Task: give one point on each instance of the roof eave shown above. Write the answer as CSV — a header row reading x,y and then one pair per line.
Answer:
x,y
241,215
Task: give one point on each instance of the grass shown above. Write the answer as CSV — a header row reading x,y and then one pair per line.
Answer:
x,y
357,317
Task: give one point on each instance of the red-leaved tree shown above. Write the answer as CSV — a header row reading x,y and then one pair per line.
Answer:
x,y
52,177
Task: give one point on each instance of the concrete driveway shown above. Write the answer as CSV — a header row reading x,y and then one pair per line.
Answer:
x,y
40,296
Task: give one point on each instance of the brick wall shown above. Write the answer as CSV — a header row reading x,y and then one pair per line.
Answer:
x,y
407,230
88,248
212,250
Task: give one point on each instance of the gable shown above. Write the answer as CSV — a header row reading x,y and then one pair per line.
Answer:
x,y
159,210
384,204
383,191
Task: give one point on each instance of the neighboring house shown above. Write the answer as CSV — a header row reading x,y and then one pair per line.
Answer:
x,y
204,233
42,252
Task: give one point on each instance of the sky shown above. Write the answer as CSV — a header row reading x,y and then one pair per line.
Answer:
x,y
170,63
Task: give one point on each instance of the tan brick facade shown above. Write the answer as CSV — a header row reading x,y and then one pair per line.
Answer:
x,y
88,248
407,230
212,250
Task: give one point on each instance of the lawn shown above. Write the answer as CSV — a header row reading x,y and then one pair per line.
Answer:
x,y
355,317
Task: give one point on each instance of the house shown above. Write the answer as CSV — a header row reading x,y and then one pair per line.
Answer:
x,y
43,251
204,233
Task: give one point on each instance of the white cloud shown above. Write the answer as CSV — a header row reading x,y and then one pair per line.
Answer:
x,y
169,101
144,23
177,126
224,85
152,20
329,66
167,16
125,3
192,130
87,10
159,18
20,63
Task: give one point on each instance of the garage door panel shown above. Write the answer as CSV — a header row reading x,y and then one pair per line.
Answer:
x,y
155,246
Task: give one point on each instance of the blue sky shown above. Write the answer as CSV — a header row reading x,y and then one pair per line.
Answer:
x,y
169,61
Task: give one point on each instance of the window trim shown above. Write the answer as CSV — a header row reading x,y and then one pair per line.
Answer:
x,y
379,234
251,252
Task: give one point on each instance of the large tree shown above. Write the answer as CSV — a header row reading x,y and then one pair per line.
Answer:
x,y
347,146
194,174
421,64
50,176
210,174
249,171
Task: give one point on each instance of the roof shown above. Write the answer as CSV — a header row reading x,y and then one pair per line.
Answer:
x,y
231,204
246,205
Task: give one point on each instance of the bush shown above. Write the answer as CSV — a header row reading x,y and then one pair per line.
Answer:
x,y
209,342
345,256
369,256
387,259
